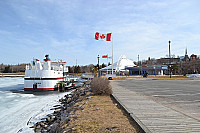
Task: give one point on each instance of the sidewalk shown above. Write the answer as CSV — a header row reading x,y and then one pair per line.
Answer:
x,y
152,116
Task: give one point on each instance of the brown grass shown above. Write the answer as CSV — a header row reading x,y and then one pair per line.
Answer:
x,y
100,115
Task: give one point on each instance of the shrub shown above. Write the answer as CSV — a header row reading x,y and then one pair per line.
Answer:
x,y
101,86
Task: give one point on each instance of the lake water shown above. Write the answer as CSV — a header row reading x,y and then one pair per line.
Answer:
x,y
17,108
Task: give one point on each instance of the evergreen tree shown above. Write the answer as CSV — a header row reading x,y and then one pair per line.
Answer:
x,y
78,69
175,68
70,69
103,65
7,69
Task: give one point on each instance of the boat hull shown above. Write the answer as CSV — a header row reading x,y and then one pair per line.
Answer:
x,y
41,84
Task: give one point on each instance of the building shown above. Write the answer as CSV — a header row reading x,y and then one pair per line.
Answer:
x,y
193,57
151,70
166,61
119,67
186,58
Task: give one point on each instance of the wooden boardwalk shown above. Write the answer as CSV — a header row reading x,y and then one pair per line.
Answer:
x,y
154,117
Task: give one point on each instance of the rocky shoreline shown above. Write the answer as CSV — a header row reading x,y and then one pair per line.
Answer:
x,y
62,114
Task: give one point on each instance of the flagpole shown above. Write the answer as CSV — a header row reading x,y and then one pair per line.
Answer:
x,y
112,54
107,64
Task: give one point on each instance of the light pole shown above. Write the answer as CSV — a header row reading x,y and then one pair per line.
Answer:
x,y
169,61
169,50
138,64
98,66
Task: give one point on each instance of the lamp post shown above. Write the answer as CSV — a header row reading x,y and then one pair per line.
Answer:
x,y
141,69
169,50
169,61
98,66
138,64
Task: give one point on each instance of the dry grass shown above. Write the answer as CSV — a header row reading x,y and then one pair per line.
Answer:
x,y
100,115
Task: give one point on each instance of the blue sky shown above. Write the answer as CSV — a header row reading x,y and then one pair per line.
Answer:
x,y
65,29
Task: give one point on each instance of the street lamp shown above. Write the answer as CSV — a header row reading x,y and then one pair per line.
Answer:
x,y
170,67
169,50
139,65
98,65
169,60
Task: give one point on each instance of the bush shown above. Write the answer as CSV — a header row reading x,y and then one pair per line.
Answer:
x,y
101,86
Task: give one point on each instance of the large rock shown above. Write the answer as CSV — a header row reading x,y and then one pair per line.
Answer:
x,y
55,128
57,111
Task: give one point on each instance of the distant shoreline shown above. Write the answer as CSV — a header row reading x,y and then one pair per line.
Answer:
x,y
21,74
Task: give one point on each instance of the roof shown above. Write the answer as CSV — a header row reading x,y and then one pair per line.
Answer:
x,y
120,64
149,67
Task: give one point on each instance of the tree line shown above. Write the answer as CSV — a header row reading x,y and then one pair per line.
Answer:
x,y
180,67
12,68
85,69
71,69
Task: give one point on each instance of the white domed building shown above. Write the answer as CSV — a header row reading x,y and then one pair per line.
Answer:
x,y
119,66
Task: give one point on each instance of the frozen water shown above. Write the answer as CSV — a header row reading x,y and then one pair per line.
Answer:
x,y
10,81
16,109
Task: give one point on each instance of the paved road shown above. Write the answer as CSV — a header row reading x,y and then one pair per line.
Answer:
x,y
161,105
181,95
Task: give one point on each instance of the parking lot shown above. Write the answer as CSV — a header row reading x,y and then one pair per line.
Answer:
x,y
182,95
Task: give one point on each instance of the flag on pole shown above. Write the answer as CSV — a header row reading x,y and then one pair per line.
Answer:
x,y
106,37
102,36
105,56
97,35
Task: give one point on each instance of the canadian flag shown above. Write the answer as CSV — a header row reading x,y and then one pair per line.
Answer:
x,y
106,37
105,56
97,35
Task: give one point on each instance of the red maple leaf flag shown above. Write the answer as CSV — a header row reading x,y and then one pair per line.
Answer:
x,y
105,56
108,37
102,36
97,35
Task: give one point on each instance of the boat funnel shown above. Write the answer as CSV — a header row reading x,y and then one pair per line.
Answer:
x,y
47,58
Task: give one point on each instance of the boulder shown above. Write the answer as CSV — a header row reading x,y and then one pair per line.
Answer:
x,y
57,110
55,128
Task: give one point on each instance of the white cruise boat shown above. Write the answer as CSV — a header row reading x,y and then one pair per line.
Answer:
x,y
45,75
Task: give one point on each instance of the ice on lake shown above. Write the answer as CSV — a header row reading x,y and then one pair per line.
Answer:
x,y
16,109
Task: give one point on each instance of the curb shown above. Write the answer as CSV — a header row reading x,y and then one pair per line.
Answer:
x,y
132,116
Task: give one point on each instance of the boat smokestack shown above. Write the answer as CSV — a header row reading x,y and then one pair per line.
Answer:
x,y
47,58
